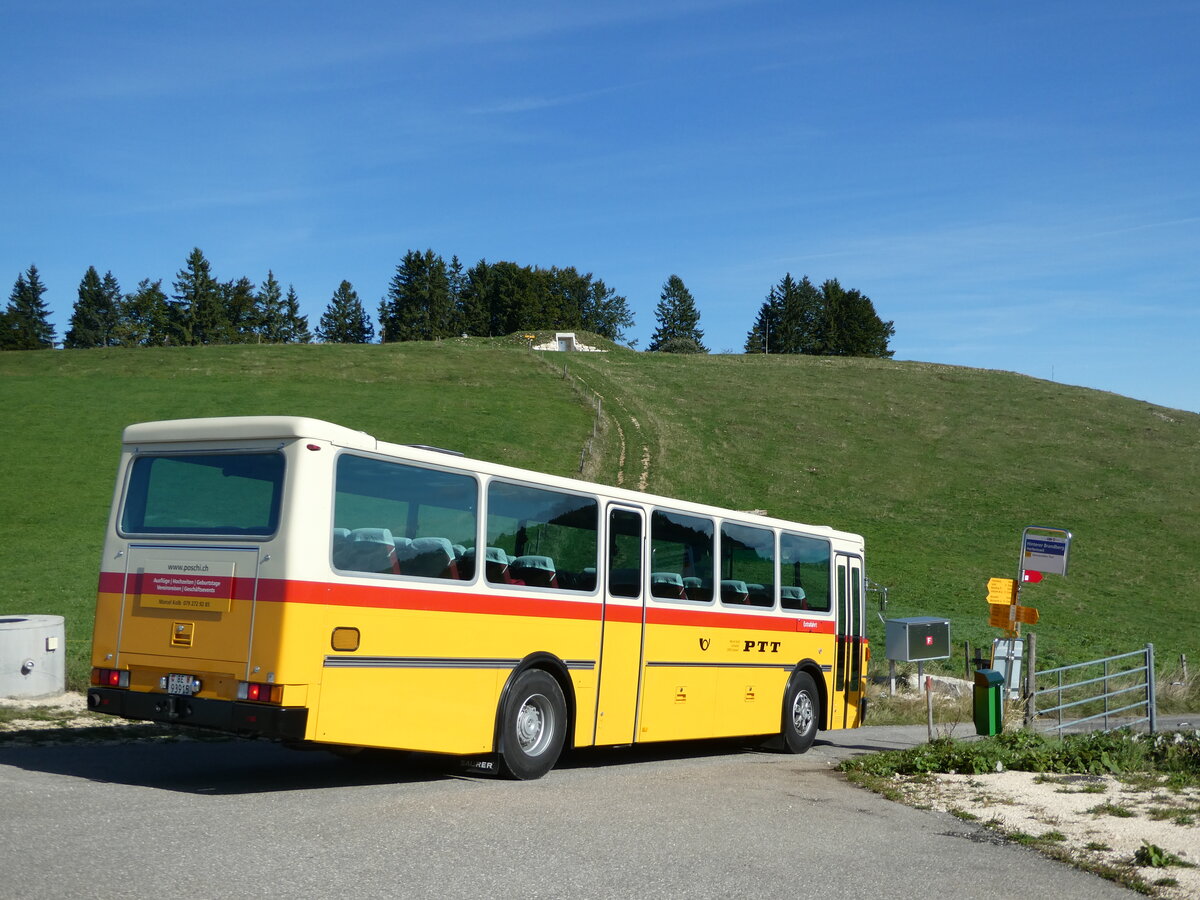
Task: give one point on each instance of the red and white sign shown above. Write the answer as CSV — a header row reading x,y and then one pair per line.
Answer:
x,y
186,585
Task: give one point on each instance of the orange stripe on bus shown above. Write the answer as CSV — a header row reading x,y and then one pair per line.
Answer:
x,y
408,597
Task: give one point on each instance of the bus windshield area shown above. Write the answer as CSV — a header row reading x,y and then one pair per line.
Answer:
x,y
228,494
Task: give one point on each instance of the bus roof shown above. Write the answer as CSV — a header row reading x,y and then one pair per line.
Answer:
x,y
246,428
226,428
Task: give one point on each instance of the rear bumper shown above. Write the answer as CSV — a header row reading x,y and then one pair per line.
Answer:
x,y
259,720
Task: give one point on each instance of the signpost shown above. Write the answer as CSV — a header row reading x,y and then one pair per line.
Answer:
x,y
1044,551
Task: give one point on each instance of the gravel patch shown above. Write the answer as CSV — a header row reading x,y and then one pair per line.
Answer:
x,y
1095,819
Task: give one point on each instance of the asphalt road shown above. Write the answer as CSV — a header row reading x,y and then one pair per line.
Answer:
x,y
197,819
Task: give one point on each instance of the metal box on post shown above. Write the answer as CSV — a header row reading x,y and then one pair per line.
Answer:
x,y
918,638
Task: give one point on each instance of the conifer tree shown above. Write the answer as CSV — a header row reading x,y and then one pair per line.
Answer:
x,y
471,308
26,321
243,314
345,321
94,317
145,316
765,332
197,307
456,283
295,327
605,311
418,305
272,310
678,320
852,326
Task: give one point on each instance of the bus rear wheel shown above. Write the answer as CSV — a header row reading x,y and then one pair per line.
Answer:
x,y
800,708
533,726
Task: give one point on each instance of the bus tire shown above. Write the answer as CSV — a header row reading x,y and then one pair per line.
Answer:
x,y
533,726
800,710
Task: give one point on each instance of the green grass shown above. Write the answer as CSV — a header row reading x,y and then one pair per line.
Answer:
x,y
941,468
938,467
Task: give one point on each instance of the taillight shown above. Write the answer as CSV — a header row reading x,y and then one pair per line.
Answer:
x,y
111,677
259,692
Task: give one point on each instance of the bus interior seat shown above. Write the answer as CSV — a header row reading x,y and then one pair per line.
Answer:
x,y
496,565
429,557
761,594
697,588
792,597
536,571
371,550
578,581
734,591
668,585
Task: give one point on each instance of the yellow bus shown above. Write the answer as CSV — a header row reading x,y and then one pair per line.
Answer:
x,y
289,578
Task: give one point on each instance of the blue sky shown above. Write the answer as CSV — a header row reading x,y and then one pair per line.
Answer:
x,y
1016,186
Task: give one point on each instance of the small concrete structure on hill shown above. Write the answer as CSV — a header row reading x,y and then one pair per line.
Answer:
x,y
565,341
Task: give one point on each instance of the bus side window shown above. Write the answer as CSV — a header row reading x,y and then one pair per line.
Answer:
x,y
429,517
804,573
747,565
549,536
681,553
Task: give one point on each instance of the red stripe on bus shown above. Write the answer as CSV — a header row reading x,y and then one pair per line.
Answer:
x,y
428,600
409,598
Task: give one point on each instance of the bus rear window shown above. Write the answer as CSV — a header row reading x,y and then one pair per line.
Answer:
x,y
234,494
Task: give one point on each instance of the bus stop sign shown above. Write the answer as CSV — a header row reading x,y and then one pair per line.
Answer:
x,y
1045,550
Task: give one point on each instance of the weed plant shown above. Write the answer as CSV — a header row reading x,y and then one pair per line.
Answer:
x,y
1174,756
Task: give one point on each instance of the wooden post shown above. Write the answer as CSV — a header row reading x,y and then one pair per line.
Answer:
x,y
1030,679
929,703
967,660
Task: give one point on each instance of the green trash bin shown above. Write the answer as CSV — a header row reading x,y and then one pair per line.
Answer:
x,y
989,702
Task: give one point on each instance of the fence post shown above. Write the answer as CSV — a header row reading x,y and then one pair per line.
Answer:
x,y
1106,691
1031,681
1151,699
967,660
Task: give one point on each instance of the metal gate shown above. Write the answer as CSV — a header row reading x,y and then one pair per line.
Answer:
x,y
1114,692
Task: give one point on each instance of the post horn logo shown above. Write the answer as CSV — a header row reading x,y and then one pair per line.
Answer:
x,y
704,642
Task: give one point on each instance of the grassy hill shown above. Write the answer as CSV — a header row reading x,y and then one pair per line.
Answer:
x,y
939,467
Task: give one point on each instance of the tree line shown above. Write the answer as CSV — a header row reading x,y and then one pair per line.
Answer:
x,y
799,317
202,310
427,299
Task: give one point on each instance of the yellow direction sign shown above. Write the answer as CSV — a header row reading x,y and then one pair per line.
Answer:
x,y
1002,590
1001,617
1027,615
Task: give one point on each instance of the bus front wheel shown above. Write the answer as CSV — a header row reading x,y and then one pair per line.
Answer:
x,y
533,726
800,708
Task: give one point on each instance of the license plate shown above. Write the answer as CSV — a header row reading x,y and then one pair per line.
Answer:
x,y
181,684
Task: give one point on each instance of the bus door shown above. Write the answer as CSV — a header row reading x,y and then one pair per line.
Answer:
x,y
622,620
846,706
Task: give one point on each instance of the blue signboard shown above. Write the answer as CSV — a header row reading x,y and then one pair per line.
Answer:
x,y
1045,551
